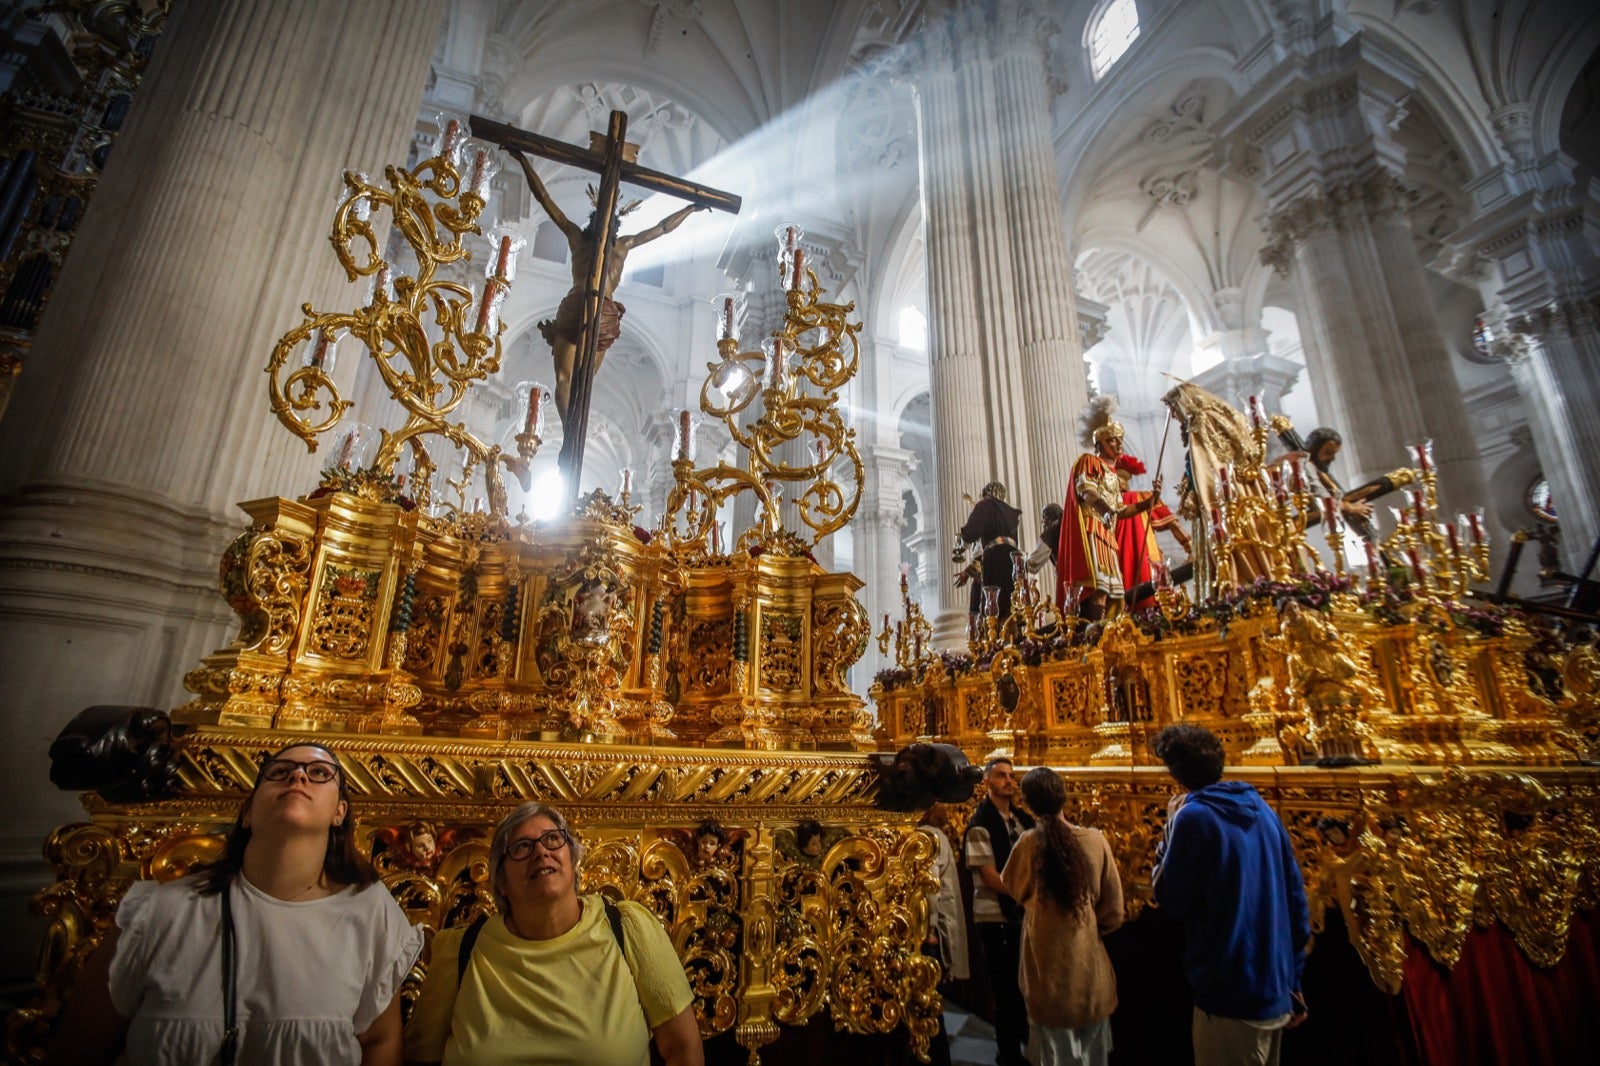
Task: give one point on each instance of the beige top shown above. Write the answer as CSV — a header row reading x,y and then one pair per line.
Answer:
x,y
1066,976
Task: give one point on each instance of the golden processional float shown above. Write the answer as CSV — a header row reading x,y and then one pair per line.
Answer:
x,y
1432,755
686,702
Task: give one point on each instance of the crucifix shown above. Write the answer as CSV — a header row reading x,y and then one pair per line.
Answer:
x,y
598,244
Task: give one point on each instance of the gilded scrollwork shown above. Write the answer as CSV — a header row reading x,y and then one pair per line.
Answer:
x,y
839,632
341,621
782,650
264,575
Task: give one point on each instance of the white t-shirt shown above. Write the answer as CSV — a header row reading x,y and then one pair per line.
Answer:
x,y
311,975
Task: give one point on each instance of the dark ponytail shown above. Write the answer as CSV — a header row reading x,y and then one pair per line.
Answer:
x,y
341,865
1061,865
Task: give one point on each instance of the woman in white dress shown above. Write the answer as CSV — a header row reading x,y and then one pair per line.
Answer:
x,y
289,934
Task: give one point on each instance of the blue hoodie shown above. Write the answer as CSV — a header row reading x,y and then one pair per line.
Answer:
x,y
1228,868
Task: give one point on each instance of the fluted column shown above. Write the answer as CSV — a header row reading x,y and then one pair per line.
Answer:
x,y
1007,368
1050,346
1314,134
1555,360
144,415
877,531
1540,273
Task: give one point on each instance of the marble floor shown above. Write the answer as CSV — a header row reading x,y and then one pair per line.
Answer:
x,y
971,1039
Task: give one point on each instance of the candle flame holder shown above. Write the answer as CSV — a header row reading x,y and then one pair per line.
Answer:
x,y
816,346
431,339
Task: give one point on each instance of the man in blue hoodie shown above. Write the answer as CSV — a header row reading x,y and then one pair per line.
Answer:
x,y
1227,868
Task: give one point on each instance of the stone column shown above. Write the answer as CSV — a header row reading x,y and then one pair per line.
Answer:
x,y
1007,368
1555,359
1314,134
1531,236
144,415
1055,385
1264,375
877,530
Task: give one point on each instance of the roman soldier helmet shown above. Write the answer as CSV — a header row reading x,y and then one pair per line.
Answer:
x,y
1096,425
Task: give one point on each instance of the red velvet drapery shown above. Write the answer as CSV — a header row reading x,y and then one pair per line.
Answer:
x,y
1495,1008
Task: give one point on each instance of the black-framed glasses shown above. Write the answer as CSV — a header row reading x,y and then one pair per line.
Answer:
x,y
318,771
551,840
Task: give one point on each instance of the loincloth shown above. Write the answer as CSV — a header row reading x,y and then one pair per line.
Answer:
x,y
568,323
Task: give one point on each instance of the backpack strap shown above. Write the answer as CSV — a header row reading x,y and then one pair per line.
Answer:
x,y
614,917
468,939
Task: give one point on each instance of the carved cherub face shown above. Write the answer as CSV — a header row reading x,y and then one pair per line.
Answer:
x,y
707,845
421,844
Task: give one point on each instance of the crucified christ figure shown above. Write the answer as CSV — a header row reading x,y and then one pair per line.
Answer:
x,y
564,333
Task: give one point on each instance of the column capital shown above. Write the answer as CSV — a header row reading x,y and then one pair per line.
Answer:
x,y
1378,195
950,35
1321,117
1538,247
1575,317
1092,320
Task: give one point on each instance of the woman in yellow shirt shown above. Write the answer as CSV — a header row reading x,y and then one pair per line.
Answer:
x,y
554,977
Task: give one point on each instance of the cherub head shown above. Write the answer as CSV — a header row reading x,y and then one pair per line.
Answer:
x,y
421,843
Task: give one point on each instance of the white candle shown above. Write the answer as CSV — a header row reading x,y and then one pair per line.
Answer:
x,y
361,209
777,365
534,426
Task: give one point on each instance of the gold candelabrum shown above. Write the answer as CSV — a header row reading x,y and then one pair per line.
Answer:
x,y
1440,558
430,337
800,437
369,608
912,636
1263,510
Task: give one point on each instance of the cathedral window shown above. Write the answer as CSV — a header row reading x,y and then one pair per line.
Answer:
x,y
913,329
1112,30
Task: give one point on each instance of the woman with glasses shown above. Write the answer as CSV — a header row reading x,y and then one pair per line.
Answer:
x,y
286,949
554,977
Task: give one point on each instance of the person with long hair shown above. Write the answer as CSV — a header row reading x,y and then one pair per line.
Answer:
x,y
554,976
1065,878
286,949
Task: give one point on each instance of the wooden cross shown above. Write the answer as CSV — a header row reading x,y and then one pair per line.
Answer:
x,y
613,170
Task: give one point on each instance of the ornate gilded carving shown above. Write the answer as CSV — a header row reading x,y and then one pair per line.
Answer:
x,y
341,626
839,632
263,577
782,650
